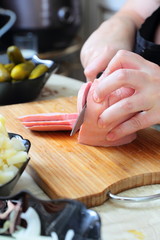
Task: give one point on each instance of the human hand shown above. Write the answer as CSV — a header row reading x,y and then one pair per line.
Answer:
x,y
114,34
135,84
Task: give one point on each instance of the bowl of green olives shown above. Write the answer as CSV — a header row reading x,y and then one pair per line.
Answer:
x,y
21,80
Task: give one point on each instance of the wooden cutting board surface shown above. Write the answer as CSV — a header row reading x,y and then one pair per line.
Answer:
x,y
66,169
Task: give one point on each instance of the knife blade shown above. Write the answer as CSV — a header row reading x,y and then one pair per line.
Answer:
x,y
80,118
79,121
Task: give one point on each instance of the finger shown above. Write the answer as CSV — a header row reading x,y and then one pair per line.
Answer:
x,y
119,94
122,110
98,65
123,60
127,60
127,78
139,121
122,141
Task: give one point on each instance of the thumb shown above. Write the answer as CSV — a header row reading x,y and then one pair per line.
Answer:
x,y
98,65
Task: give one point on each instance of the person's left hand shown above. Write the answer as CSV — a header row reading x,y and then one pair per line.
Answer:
x,y
134,86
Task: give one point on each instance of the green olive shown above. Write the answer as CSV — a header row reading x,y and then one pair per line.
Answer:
x,y
14,55
38,71
22,71
4,74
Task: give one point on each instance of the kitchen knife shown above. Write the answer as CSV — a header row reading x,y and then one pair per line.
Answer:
x,y
80,118
79,121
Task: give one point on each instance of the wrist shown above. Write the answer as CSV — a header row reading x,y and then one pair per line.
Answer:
x,y
123,31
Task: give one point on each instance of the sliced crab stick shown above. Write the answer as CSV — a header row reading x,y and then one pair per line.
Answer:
x,y
49,121
50,128
48,117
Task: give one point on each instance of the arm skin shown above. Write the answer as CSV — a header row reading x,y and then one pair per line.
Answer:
x,y
114,34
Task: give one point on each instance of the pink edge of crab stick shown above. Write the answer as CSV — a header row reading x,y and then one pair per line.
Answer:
x,y
48,117
47,123
50,128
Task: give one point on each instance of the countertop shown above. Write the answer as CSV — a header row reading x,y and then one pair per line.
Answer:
x,y
120,220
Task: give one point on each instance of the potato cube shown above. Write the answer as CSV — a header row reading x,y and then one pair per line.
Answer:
x,y
17,144
6,176
12,154
19,157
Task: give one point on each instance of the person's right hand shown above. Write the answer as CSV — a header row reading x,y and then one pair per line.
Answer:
x,y
114,34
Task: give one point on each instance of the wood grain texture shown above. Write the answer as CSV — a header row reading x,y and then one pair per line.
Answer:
x,y
66,169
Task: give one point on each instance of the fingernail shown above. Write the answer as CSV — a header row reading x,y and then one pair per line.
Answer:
x,y
110,136
95,97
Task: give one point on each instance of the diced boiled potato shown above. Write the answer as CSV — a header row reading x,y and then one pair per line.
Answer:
x,y
17,144
4,142
8,153
2,120
5,167
11,168
3,129
19,157
6,176
1,163
12,154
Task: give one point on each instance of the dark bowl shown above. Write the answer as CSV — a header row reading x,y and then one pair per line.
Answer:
x,y
6,188
26,90
55,217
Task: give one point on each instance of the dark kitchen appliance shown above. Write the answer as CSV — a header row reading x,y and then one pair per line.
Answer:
x,y
54,22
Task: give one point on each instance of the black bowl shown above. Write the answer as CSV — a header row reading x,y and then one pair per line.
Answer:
x,y
26,90
56,217
6,188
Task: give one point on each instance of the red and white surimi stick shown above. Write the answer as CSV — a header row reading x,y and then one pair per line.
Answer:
x,y
49,121
51,128
48,117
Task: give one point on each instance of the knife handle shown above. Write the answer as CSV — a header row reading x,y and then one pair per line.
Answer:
x,y
99,74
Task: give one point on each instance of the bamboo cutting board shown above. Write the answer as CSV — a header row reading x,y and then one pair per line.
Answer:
x,y
66,169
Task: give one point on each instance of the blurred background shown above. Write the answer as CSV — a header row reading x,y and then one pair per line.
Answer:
x,y
53,29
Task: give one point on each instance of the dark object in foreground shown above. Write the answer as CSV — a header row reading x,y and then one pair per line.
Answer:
x,y
58,218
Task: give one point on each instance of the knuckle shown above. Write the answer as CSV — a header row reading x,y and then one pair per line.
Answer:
x,y
121,75
127,106
154,67
89,74
121,53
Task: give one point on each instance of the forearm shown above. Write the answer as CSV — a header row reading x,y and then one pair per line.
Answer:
x,y
135,12
138,10
128,19
122,31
